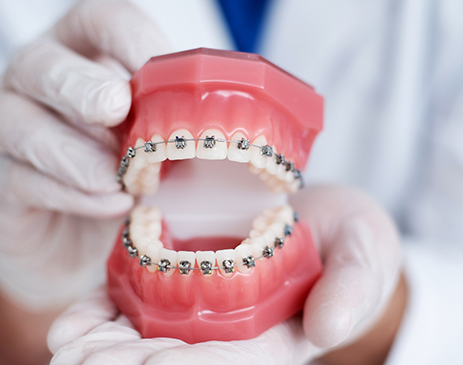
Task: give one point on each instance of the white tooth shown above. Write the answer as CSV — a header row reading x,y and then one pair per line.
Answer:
x,y
137,232
217,152
243,250
160,154
281,172
254,170
278,228
138,214
270,213
205,256
289,177
174,153
236,154
257,244
142,244
260,223
286,214
153,213
257,159
153,252
139,161
172,257
223,255
154,229
186,256
254,233
294,186
264,175
271,166
269,237
157,243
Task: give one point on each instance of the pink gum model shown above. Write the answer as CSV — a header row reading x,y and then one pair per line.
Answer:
x,y
229,92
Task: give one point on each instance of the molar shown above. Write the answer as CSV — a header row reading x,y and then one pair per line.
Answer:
x,y
186,258
142,245
205,260
160,154
243,251
171,256
180,149
212,149
257,158
226,255
237,154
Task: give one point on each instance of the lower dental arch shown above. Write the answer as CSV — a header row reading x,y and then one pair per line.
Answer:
x,y
205,267
209,142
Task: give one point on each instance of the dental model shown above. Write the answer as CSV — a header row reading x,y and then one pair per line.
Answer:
x,y
215,105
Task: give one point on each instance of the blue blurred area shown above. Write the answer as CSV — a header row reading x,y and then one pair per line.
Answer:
x,y
245,19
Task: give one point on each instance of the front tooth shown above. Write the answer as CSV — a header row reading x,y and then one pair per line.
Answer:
x,y
179,148
186,259
281,172
172,257
257,158
153,252
243,251
154,229
226,255
160,154
257,245
238,154
139,161
211,148
205,260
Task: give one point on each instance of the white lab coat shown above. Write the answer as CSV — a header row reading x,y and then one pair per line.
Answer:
x,y
392,75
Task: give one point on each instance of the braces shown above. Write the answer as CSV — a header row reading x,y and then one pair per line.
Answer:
x,y
205,267
209,142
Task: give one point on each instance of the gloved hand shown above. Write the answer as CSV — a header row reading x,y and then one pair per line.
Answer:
x,y
58,193
359,246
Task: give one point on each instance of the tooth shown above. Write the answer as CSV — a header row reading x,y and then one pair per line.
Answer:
x,y
254,233
257,158
137,231
172,257
223,255
154,229
242,251
153,213
289,177
278,228
257,245
254,170
212,149
179,149
281,172
139,161
269,237
260,223
160,154
236,154
286,214
205,260
294,186
270,213
264,175
271,166
183,257
142,244
153,252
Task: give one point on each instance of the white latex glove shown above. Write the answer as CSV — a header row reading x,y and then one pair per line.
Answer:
x,y
360,250
58,193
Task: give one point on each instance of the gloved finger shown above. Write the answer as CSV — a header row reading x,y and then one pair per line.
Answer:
x,y
77,88
113,27
110,343
81,318
31,133
25,185
282,344
360,249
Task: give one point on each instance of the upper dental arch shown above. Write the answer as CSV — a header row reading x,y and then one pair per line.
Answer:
x,y
209,142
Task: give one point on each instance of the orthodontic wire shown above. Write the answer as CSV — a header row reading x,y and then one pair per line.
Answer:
x,y
145,260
